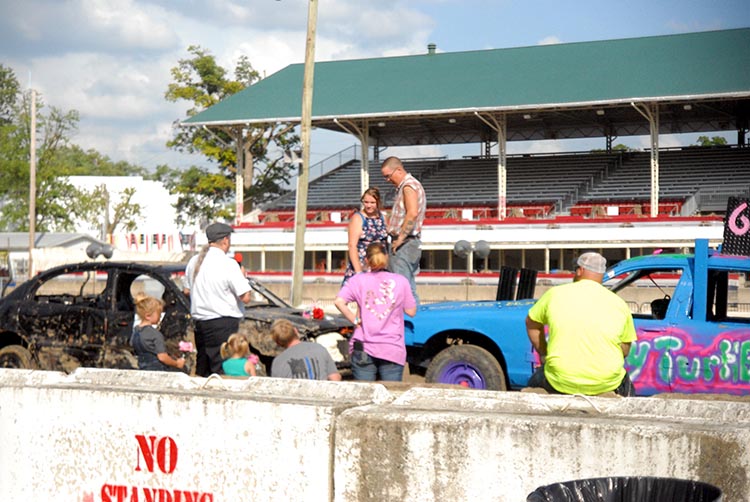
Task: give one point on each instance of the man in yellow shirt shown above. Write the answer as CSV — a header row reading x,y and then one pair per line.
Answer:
x,y
590,333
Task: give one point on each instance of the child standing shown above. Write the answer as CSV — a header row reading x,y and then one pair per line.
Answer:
x,y
148,341
238,360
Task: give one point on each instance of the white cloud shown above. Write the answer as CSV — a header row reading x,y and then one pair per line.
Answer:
x,y
111,59
128,23
550,40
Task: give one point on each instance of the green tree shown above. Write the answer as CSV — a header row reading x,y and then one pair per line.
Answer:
x,y
92,163
58,203
9,92
617,148
713,141
201,81
54,195
96,208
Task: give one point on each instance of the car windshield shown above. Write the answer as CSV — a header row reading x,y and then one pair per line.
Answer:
x,y
262,295
641,288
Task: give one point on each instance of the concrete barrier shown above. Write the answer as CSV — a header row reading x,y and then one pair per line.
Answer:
x,y
455,445
108,435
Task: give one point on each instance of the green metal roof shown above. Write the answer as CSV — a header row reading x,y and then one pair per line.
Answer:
x,y
711,64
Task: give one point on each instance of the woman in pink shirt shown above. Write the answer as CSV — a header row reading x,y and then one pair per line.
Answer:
x,y
377,347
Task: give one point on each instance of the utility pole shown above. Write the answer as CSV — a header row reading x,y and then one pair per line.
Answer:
x,y
32,182
300,217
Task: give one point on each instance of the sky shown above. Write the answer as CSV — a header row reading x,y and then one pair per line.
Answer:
x,y
110,59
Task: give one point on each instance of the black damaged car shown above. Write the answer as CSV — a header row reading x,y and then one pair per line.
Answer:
x,y
82,315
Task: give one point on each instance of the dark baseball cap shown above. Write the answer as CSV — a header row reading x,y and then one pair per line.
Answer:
x,y
217,231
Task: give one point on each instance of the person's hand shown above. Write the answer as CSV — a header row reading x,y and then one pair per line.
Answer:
x,y
396,244
181,363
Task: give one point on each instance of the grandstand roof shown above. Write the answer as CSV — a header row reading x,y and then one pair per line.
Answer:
x,y
547,92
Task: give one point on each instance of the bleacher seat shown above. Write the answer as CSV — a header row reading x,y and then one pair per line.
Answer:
x,y
587,184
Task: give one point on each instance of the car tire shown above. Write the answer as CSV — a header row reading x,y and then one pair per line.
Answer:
x,y
466,365
15,356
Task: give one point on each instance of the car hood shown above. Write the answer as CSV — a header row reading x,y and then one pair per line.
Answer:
x,y
475,306
482,316
306,326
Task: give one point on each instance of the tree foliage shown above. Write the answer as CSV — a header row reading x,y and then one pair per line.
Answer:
x,y
200,80
9,91
57,201
712,141
53,130
619,147
90,162
97,208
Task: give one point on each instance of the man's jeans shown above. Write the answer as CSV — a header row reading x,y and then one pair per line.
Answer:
x,y
366,368
405,261
539,380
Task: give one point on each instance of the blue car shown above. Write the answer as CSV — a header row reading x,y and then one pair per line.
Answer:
x,y
691,312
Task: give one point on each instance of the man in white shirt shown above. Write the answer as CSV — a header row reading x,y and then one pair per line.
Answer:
x,y
218,290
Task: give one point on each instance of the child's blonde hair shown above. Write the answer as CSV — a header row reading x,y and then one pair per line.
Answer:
x,y
283,332
146,305
235,346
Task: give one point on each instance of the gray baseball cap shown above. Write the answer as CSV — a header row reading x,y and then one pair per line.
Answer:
x,y
593,262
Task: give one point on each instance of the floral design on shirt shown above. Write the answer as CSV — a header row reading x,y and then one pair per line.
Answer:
x,y
381,303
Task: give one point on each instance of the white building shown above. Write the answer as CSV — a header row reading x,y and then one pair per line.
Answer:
x,y
156,229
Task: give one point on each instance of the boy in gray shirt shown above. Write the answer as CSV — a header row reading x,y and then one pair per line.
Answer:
x,y
307,360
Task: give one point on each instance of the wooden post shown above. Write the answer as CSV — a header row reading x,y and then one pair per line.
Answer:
x,y
32,182
300,218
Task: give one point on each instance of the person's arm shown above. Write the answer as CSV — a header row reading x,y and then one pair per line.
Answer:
x,y
250,368
411,312
411,209
535,331
327,364
625,348
246,298
343,307
355,232
170,361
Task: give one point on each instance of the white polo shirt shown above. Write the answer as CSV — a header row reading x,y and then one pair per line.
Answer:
x,y
216,290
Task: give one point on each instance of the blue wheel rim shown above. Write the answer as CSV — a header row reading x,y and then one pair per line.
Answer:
x,y
461,373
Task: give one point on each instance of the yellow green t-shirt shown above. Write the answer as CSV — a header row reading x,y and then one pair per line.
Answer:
x,y
587,323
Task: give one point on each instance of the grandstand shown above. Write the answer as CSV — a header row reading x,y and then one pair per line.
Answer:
x,y
542,186
535,211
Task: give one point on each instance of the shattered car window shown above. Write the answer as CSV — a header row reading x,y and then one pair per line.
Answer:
x,y
73,288
147,285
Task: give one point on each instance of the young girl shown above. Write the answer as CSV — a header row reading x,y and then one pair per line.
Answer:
x,y
238,360
147,341
365,226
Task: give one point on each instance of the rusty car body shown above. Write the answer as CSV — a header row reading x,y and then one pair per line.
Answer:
x,y
82,315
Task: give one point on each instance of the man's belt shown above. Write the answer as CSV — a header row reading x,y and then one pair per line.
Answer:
x,y
408,237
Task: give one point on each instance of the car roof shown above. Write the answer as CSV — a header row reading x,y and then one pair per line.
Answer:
x,y
114,265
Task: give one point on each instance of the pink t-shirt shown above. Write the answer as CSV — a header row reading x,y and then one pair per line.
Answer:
x,y
382,297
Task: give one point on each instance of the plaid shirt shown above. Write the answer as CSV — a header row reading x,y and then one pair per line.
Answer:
x,y
399,210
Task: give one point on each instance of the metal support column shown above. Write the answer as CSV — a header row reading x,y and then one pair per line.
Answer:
x,y
239,181
364,139
500,126
651,113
